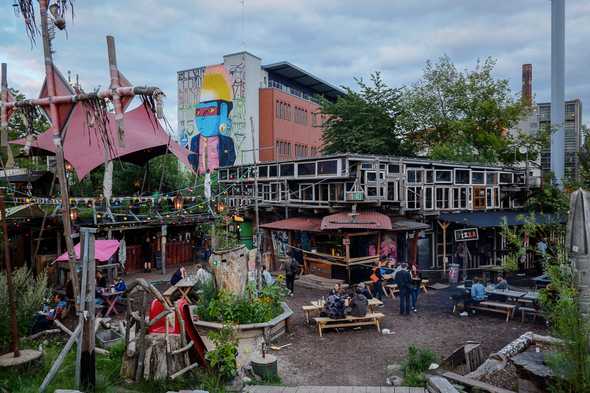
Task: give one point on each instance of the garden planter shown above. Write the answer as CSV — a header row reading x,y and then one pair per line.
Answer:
x,y
251,336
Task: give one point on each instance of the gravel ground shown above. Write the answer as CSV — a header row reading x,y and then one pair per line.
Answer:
x,y
359,357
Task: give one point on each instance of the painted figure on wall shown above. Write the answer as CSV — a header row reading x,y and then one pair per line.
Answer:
x,y
212,147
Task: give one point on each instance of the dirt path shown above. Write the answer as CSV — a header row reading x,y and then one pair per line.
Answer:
x,y
360,357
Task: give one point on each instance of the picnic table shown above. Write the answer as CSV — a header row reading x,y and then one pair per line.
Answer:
x,y
391,289
318,305
183,286
111,298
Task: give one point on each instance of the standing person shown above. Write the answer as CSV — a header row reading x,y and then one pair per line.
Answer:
x,y
377,278
291,270
146,249
404,283
416,284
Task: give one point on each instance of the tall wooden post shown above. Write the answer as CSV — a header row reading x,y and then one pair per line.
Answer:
x,y
11,294
414,249
59,153
85,356
444,226
163,248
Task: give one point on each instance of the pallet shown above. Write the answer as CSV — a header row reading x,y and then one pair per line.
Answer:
x,y
348,321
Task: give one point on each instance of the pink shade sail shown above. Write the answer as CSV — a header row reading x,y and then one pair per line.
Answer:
x,y
103,250
144,139
360,220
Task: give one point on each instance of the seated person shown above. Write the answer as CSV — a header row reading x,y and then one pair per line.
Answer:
x,y
364,290
338,290
202,275
101,280
501,283
358,304
267,278
178,275
334,307
478,292
44,320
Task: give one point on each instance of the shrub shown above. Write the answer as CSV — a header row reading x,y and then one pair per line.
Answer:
x,y
252,307
223,357
30,295
416,364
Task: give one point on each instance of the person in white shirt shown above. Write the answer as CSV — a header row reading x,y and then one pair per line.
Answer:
x,y
267,277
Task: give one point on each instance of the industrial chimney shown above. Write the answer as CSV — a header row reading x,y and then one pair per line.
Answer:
x,y
527,84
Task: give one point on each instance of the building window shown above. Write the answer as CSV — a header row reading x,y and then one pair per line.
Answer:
x,y
428,198
393,169
477,178
491,178
461,176
414,176
328,167
306,169
505,178
272,171
287,169
443,176
414,197
442,198
479,198
429,178
263,171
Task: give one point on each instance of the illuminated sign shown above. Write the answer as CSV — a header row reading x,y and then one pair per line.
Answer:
x,y
463,235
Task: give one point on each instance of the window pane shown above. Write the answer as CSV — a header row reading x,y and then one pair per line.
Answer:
x,y
429,177
490,178
477,178
263,171
306,169
272,171
287,169
506,178
393,168
443,176
328,167
462,176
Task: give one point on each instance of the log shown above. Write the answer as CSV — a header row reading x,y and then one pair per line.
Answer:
x,y
498,360
230,268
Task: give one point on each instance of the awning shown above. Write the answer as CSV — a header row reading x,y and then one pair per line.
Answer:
x,y
359,220
497,218
403,224
103,250
304,224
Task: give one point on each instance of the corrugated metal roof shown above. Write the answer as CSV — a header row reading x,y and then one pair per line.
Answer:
x,y
305,224
359,220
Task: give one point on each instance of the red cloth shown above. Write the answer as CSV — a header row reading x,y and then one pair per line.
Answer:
x,y
160,327
103,250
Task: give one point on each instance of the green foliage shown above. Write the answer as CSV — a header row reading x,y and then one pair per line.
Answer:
x,y
416,364
548,199
108,379
30,295
223,357
365,121
128,178
249,308
560,300
464,116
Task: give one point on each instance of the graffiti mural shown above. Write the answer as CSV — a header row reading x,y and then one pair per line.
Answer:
x,y
212,145
189,90
239,118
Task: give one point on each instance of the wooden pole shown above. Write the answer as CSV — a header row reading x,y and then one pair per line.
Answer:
x,y
3,109
444,226
60,359
83,295
163,248
59,153
11,293
88,359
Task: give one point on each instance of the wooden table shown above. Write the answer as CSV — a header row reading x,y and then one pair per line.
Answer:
x,y
317,306
111,298
391,289
183,286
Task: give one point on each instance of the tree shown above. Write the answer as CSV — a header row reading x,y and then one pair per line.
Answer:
x,y
465,116
366,121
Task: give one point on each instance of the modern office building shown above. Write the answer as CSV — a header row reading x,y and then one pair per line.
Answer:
x,y
573,136
241,112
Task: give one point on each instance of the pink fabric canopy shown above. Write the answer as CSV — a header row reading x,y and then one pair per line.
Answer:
x,y
103,250
144,138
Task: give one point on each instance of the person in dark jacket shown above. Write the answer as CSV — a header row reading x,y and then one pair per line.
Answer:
x,y
334,307
291,270
416,285
147,252
178,275
404,284
364,290
358,304
377,279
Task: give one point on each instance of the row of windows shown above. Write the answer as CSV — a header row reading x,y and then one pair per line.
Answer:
x,y
300,116
283,149
462,176
443,198
283,110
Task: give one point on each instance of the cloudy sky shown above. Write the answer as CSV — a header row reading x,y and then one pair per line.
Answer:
x,y
333,39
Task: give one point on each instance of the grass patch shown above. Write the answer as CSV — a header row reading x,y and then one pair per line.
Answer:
x,y
108,379
416,364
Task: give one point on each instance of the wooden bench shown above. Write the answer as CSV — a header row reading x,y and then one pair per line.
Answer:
x,y
307,310
348,321
502,308
535,312
392,290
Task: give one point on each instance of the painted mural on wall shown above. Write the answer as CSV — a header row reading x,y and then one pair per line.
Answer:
x,y
212,145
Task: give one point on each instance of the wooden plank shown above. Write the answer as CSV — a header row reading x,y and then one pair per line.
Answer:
x,y
88,359
437,384
475,383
